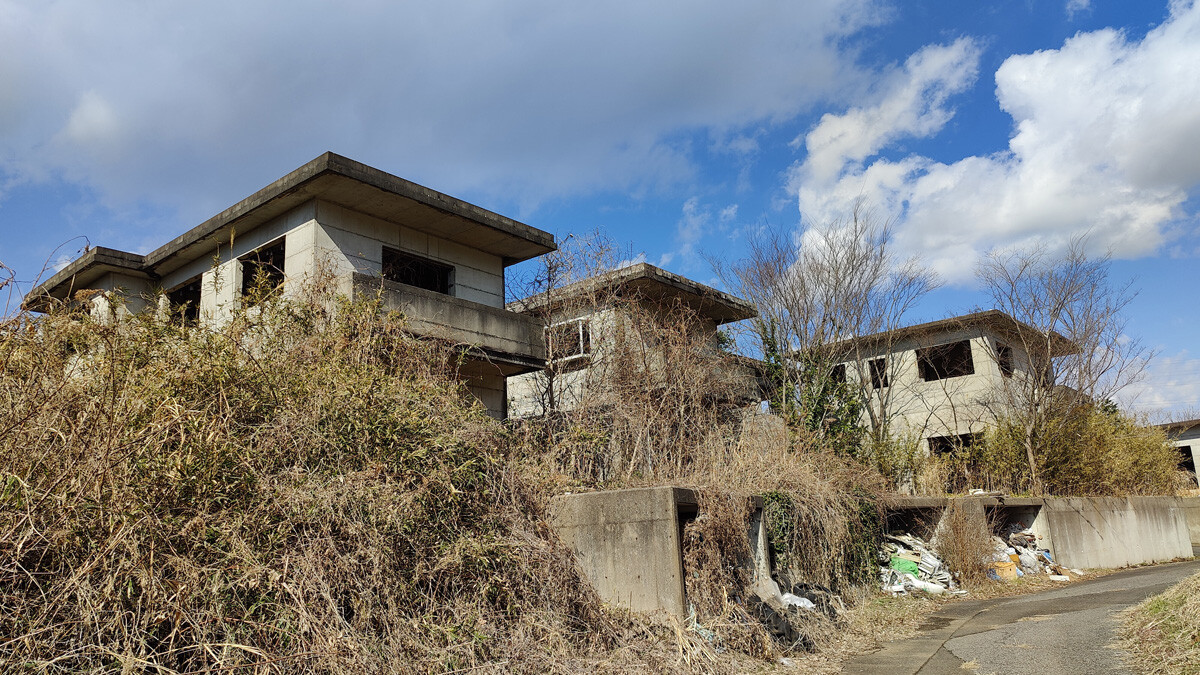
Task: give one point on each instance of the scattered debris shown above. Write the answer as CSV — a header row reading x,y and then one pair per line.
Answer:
x,y
1017,554
912,565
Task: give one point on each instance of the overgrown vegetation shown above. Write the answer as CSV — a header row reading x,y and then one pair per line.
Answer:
x,y
1095,451
1162,634
300,491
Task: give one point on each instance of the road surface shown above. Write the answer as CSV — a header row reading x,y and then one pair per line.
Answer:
x,y
1066,631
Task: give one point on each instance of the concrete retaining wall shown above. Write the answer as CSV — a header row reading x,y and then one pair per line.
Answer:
x,y
1090,532
1116,532
629,544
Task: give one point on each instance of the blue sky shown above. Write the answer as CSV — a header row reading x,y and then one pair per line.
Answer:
x,y
676,127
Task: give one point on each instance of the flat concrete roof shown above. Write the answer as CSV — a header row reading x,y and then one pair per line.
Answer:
x,y
998,321
338,180
651,283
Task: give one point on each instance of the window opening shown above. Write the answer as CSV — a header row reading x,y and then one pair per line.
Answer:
x,y
262,271
1004,359
405,268
838,374
185,300
570,341
879,376
947,445
1187,462
945,361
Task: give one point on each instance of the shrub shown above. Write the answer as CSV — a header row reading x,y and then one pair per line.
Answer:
x,y
299,491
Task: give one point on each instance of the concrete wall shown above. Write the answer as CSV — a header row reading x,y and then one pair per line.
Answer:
x,y
951,406
628,543
1116,532
1091,532
1191,508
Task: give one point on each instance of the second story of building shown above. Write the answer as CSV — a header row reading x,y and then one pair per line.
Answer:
x,y
438,259
613,323
947,380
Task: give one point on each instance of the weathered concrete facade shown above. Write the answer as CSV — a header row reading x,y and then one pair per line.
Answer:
x,y
338,221
1185,435
900,380
599,311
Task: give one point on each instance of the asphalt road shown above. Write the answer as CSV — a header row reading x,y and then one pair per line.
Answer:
x,y
1066,631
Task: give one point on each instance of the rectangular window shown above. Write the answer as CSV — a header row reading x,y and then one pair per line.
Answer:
x,y
569,342
945,361
1187,462
838,374
185,301
1004,359
405,268
262,272
948,445
879,376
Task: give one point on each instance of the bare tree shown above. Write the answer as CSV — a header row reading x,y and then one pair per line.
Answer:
x,y
1074,350
829,301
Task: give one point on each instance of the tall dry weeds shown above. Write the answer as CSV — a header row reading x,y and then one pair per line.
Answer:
x,y
963,541
300,491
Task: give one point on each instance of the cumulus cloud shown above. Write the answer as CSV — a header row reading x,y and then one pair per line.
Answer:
x,y
195,103
1106,140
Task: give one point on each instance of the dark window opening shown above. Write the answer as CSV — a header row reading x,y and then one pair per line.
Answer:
x,y
569,342
404,268
879,376
185,301
945,361
838,374
262,272
1187,462
947,445
1004,359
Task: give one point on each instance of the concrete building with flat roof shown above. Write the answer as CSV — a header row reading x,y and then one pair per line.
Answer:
x,y
582,321
945,381
438,259
1185,435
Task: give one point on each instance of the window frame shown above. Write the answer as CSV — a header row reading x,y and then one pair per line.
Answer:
x,y
420,267
269,257
927,367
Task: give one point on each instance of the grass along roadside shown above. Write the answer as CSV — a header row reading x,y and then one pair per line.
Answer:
x,y
1162,634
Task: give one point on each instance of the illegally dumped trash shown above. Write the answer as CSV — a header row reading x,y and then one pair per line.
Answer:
x,y
1017,554
908,563
786,614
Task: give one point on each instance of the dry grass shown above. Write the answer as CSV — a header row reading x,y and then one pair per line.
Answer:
x,y
1162,634
964,543
297,492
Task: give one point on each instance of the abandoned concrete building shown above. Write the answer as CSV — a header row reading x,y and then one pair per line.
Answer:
x,y
582,321
944,382
1185,435
438,259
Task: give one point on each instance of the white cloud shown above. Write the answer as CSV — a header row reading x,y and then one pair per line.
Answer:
x,y
196,103
913,104
1170,389
1106,140
1076,6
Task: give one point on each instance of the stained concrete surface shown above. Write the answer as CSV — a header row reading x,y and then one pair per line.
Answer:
x,y
1060,632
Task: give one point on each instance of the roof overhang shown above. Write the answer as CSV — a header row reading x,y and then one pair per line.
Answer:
x,y
83,272
331,178
998,322
650,283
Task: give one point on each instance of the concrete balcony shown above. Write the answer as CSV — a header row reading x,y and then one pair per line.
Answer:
x,y
512,342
